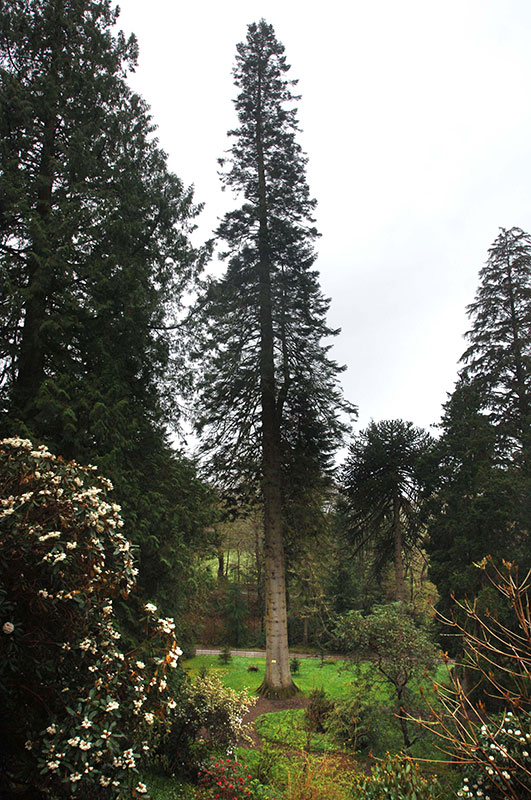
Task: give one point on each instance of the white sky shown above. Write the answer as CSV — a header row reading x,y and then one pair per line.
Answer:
x,y
416,118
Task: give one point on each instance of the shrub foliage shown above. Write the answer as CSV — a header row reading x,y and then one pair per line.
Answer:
x,y
75,710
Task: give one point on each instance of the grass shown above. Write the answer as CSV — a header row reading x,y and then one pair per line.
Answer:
x,y
165,787
331,676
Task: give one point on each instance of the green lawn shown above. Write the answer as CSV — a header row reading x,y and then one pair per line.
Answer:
x,y
331,676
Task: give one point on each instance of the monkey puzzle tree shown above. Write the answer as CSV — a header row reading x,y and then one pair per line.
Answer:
x,y
268,388
382,488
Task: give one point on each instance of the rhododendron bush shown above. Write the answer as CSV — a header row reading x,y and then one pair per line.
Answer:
x,y
76,711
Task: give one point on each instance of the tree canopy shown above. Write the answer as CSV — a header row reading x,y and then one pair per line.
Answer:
x,y
94,259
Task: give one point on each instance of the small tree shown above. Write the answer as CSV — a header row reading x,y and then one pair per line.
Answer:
x,y
401,651
75,710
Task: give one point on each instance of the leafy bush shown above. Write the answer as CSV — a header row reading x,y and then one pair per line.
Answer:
x,y
294,665
318,710
400,649
355,722
208,718
76,711
396,778
230,780
312,778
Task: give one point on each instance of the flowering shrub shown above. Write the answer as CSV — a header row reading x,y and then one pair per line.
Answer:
x,y
208,718
396,778
229,780
76,711
505,742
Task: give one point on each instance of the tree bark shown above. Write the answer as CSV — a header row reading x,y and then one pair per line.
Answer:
x,y
400,587
277,679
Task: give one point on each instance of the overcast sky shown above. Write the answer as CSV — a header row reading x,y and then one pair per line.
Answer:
x,y
416,118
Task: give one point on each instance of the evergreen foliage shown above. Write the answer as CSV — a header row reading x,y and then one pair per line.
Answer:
x,y
269,398
94,259
483,501
266,166
76,707
498,358
382,485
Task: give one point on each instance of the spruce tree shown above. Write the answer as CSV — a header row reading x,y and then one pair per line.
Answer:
x,y
498,358
269,396
483,500
94,258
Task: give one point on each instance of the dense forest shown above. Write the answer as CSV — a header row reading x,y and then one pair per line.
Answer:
x,y
115,336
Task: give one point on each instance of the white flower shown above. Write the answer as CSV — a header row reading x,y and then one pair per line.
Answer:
x,y
52,765
51,729
74,742
149,718
141,788
111,705
28,745
84,745
71,545
172,704
140,664
86,723
167,624
150,608
104,781
51,535
75,776
525,753
106,734
8,627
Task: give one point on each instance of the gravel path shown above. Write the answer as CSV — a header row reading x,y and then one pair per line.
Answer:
x,y
262,653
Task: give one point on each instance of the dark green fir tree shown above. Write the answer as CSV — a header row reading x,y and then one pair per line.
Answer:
x,y
94,259
269,400
482,506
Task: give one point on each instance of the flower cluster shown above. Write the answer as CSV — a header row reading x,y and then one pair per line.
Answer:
x,y
63,559
224,779
503,767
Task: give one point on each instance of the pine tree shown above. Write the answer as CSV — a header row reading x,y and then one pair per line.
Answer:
x,y
483,500
94,257
382,487
498,358
269,389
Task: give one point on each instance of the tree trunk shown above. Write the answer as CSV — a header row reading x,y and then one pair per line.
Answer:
x,y
277,679
398,557
31,358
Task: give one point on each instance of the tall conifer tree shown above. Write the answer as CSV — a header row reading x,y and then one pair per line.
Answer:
x,y
482,505
269,390
498,358
94,257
